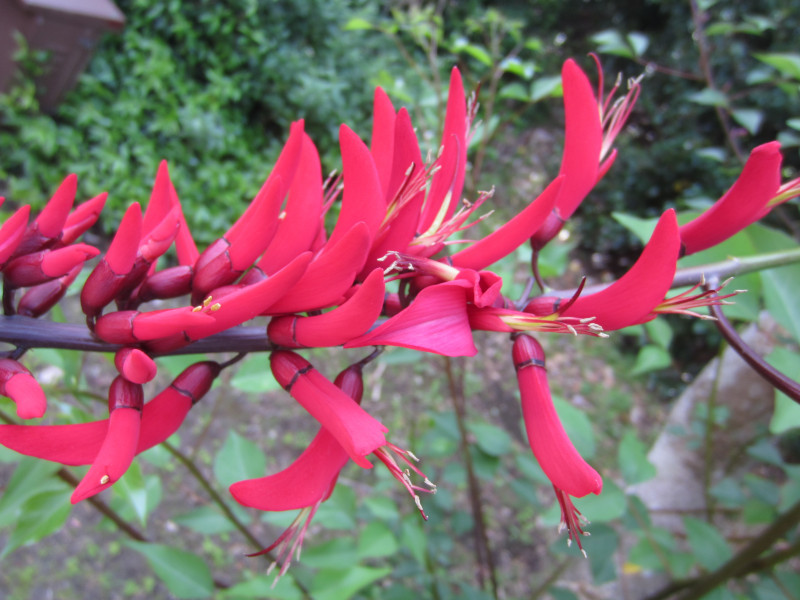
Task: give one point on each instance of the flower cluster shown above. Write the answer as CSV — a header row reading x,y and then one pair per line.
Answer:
x,y
381,276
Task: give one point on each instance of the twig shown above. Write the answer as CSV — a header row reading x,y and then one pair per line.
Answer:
x,y
484,558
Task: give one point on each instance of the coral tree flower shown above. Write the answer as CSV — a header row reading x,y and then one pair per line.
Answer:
x,y
633,297
17,383
560,461
310,479
125,401
356,431
744,203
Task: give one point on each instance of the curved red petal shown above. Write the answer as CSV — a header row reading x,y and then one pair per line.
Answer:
x,y
631,299
741,205
115,455
436,321
551,446
514,233
583,139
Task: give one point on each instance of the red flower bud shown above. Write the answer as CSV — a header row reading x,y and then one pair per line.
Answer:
x,y
17,383
135,365
42,266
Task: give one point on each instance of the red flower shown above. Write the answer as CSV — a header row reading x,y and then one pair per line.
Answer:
x,y
356,431
436,321
631,299
744,203
17,383
560,461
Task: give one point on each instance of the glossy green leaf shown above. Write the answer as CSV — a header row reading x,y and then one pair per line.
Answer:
x,y
185,574
608,505
787,412
546,87
254,376
787,63
651,358
492,439
41,515
709,548
749,118
30,478
641,228
342,585
781,291
261,585
632,459
708,97
376,539
238,459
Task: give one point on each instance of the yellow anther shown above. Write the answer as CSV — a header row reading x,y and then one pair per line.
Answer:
x,y
104,479
207,301
215,307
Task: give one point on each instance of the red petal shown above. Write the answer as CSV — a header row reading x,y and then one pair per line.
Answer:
x,y
741,205
510,236
333,328
382,143
551,446
328,276
244,304
67,444
23,389
115,455
51,220
135,365
82,218
12,232
436,321
583,139
61,261
362,198
355,430
303,483
631,299
122,250
447,184
284,170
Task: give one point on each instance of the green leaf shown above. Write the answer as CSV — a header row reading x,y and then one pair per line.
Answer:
x,y
492,439
476,51
641,228
607,506
356,24
708,97
342,585
31,477
577,425
376,540
546,87
514,91
611,41
413,539
660,332
787,412
258,586
709,548
254,376
651,358
338,553
520,68
632,458
785,62
238,459
133,490
209,520
749,118
781,291
40,515
184,573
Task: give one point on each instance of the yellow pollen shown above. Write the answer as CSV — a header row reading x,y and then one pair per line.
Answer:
x,y
197,308
104,479
207,301
215,307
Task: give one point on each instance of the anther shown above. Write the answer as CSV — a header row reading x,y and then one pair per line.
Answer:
x,y
104,479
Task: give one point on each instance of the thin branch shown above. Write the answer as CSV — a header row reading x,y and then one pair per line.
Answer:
x,y
742,563
772,375
484,558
